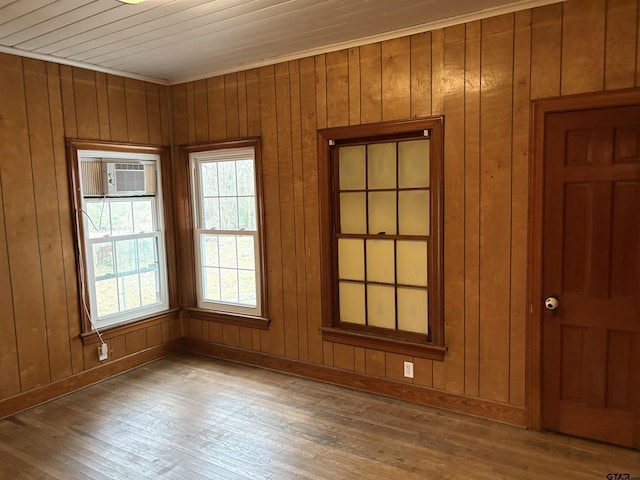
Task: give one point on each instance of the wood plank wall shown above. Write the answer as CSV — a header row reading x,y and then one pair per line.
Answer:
x,y
481,76
41,104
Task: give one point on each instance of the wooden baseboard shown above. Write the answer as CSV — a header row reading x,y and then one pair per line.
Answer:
x,y
22,401
500,412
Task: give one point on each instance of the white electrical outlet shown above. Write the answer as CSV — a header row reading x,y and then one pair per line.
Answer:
x,y
103,352
408,369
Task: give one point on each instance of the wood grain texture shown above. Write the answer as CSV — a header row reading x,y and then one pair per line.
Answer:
x,y
370,83
546,50
621,44
290,428
396,79
421,75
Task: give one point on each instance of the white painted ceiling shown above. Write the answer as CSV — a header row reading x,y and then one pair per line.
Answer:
x,y
171,41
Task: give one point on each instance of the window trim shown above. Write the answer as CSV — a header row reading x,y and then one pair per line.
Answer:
x,y
189,284
335,331
74,149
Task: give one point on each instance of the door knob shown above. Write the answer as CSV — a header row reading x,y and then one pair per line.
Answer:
x,y
551,303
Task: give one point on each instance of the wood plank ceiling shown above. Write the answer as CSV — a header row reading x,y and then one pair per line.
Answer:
x,y
171,41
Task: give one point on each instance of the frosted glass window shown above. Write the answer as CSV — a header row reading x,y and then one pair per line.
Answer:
x,y
351,165
353,213
352,303
411,258
381,306
381,165
412,310
413,164
351,259
414,212
380,261
382,213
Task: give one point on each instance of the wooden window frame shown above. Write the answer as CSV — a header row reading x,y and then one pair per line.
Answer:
x,y
74,146
421,346
187,227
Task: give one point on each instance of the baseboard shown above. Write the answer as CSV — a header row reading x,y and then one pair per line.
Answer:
x,y
499,412
22,401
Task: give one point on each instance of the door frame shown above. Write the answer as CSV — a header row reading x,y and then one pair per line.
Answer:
x,y
540,109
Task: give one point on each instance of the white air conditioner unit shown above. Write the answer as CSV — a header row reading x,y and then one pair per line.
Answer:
x,y
124,178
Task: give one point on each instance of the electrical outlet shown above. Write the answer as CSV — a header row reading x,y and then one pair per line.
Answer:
x,y
103,352
408,369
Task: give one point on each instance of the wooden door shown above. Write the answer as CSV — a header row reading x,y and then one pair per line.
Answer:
x,y
591,263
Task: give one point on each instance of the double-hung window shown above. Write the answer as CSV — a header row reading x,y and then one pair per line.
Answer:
x,y
119,214
384,226
227,230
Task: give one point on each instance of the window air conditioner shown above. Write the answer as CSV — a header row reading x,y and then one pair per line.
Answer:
x,y
124,178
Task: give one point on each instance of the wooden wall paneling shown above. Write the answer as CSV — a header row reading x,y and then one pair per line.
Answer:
x,y
166,108
176,328
308,122
546,50
154,335
201,106
375,363
371,83
246,338
472,208
10,378
272,341
67,230
421,74
337,88
519,204
154,115
68,102
47,217
242,105
22,237
394,367
215,332
182,206
166,335
136,341
231,335
343,357
193,328
253,99
256,338
437,107
217,109
396,78
620,44
327,354
90,353
231,99
454,232
102,97
117,109
321,91
423,372
117,347
437,71
191,113
354,85
583,54
495,205
86,103
298,211
637,84
287,210
359,360
206,330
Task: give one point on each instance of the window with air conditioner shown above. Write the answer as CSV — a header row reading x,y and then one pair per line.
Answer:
x,y
119,215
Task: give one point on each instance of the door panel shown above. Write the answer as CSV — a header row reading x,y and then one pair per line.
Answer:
x,y
591,263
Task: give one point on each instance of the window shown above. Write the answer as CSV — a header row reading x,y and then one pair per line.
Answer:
x,y
384,217
120,221
227,233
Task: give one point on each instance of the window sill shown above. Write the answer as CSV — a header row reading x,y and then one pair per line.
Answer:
x,y
90,338
388,344
261,323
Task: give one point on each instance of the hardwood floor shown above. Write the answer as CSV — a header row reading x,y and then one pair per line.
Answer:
x,y
188,417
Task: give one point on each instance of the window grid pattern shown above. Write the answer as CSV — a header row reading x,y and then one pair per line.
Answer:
x,y
226,231
382,234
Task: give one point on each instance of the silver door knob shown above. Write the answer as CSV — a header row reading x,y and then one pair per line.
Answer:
x,y
551,303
